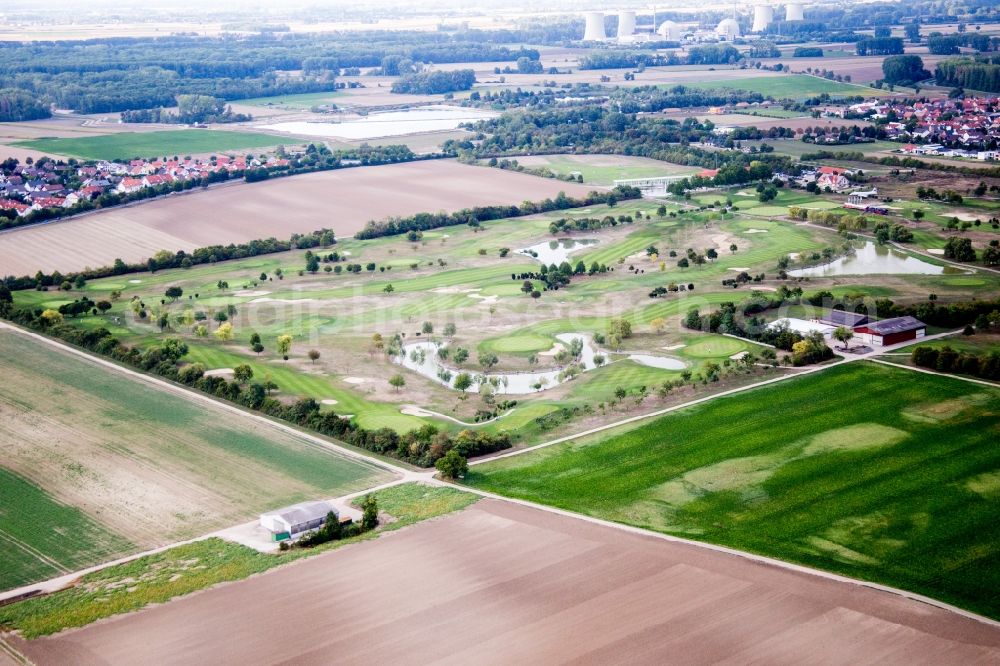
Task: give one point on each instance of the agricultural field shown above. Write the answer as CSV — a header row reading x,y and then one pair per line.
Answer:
x,y
160,577
793,86
147,465
605,169
129,145
877,473
343,200
518,585
302,102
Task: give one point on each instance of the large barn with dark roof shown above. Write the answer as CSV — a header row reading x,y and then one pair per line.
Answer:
x,y
891,331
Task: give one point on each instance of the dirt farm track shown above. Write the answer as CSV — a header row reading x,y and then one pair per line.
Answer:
x,y
342,200
500,583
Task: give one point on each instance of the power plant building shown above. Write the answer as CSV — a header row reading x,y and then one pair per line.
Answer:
x,y
669,31
728,30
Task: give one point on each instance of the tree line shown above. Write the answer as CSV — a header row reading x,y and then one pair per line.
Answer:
x,y
478,214
976,74
434,83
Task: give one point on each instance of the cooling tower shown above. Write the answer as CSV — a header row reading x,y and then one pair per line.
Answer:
x,y
626,24
670,31
594,30
763,16
793,12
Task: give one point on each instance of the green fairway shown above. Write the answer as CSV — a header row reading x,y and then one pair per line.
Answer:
x,y
67,541
128,145
518,344
873,472
793,86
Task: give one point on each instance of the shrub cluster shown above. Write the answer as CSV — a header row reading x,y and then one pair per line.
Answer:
x,y
946,359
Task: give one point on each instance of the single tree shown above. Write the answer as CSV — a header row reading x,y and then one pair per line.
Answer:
x,y
173,293
313,355
225,332
463,382
369,515
843,335
452,465
243,373
397,382
284,345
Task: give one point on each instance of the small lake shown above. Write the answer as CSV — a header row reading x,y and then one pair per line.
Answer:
x,y
875,259
388,123
556,251
422,357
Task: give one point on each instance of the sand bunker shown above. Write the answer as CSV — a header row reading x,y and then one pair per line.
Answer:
x,y
135,281
556,348
740,269
413,410
964,217
485,299
281,300
937,251
219,372
755,231
250,292
738,355
454,290
328,401
357,380
673,347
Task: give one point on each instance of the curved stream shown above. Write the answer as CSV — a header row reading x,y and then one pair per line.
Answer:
x,y
422,357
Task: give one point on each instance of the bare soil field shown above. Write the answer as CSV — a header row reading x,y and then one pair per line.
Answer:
x,y
152,465
863,69
341,200
499,583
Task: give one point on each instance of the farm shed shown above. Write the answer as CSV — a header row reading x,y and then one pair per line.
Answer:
x,y
843,318
292,521
892,331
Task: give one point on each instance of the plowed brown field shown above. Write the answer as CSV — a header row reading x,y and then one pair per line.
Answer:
x,y
341,200
505,584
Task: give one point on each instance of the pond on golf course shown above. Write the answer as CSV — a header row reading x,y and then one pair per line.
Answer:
x,y
422,357
875,259
556,251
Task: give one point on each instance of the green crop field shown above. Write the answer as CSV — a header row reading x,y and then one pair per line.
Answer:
x,y
145,466
877,473
605,169
792,86
41,538
128,145
302,101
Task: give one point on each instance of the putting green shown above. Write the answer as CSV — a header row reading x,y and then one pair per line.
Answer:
x,y
514,344
713,347
769,211
964,282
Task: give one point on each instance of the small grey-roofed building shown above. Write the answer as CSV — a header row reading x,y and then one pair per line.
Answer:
x,y
892,331
843,318
293,521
